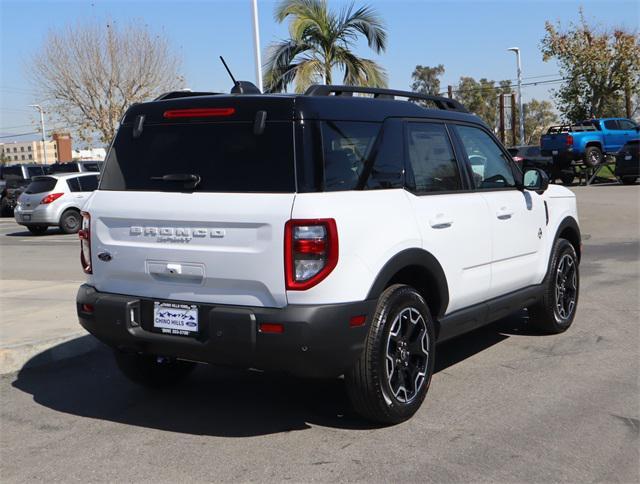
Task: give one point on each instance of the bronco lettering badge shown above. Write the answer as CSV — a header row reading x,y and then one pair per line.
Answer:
x,y
175,234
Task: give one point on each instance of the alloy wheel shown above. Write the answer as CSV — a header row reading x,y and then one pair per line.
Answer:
x,y
566,287
407,354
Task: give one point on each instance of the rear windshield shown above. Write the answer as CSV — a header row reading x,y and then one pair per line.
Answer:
x,y
41,184
227,157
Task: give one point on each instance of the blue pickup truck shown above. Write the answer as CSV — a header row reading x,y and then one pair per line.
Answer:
x,y
588,141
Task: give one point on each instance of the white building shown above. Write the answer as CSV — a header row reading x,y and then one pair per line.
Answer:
x,y
89,154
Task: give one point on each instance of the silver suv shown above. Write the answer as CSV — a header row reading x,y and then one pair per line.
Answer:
x,y
55,200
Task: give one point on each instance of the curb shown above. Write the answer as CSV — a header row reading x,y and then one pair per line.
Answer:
x,y
45,352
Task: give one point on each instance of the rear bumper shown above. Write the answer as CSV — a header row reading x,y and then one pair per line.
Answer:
x,y
38,216
317,340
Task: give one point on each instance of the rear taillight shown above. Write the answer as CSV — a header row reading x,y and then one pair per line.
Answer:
x,y
52,197
310,252
85,243
569,140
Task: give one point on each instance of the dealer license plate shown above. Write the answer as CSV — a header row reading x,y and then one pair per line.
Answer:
x,y
554,152
177,319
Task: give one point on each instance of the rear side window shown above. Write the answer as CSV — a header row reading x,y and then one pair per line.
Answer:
x,y
227,157
626,125
611,124
41,185
346,147
88,183
74,184
431,158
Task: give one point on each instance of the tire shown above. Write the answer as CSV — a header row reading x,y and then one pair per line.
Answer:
x,y
567,178
593,156
552,315
70,221
628,180
152,371
37,229
376,383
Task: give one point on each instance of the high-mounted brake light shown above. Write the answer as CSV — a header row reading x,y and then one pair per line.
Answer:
x,y
52,197
85,243
310,252
198,113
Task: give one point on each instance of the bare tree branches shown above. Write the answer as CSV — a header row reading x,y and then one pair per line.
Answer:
x,y
95,72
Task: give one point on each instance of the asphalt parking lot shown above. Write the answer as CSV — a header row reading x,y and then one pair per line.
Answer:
x,y
506,404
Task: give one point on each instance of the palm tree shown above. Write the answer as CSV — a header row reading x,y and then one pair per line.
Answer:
x,y
321,40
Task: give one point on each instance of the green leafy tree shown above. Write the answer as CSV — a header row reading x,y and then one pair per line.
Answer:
x,y
538,116
322,40
481,97
426,80
599,66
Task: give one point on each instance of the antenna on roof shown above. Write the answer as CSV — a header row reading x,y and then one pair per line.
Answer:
x,y
240,87
235,83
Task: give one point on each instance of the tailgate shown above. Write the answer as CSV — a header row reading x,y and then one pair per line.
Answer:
x,y
224,248
549,142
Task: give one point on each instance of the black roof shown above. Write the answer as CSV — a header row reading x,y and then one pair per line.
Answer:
x,y
285,107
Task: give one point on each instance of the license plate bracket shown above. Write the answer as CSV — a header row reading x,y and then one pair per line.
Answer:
x,y
175,319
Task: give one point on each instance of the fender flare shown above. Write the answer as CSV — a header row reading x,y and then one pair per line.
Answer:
x,y
413,257
570,222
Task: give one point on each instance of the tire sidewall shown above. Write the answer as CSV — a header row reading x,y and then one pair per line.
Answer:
x,y
401,298
587,156
64,222
563,247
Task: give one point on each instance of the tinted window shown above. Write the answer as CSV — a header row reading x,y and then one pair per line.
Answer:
x,y
74,184
490,166
388,164
431,158
88,183
228,157
64,168
626,125
15,171
611,124
91,167
346,146
35,171
41,184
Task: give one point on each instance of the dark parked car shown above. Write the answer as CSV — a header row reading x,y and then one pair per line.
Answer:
x,y
13,180
628,162
530,156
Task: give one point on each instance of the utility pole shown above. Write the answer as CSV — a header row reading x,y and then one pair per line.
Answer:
x,y
256,42
517,51
44,143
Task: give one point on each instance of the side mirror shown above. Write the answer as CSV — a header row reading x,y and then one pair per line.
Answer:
x,y
535,180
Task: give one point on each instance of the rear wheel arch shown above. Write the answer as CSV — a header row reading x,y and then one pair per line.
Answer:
x,y
422,271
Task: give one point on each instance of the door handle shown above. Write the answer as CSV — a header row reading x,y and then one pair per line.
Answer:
x,y
441,221
504,213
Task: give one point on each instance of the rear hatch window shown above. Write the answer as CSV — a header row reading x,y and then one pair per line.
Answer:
x,y
41,185
227,157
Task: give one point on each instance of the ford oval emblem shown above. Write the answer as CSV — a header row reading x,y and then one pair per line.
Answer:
x,y
104,256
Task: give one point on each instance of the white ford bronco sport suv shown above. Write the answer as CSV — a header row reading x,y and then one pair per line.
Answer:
x,y
322,234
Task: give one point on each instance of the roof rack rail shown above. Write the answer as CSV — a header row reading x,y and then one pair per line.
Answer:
x,y
178,94
380,93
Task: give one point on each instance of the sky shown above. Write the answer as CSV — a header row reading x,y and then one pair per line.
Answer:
x,y
470,38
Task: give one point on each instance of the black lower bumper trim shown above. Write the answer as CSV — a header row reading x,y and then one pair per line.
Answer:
x,y
317,340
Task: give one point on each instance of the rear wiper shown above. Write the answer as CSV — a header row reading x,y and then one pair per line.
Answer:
x,y
189,178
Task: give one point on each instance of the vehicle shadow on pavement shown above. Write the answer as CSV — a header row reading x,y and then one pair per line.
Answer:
x,y
26,233
216,401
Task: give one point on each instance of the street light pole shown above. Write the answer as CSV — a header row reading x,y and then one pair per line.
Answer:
x,y
44,144
517,51
256,42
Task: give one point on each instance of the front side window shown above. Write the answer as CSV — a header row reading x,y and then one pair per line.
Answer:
x,y
490,167
431,159
626,125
